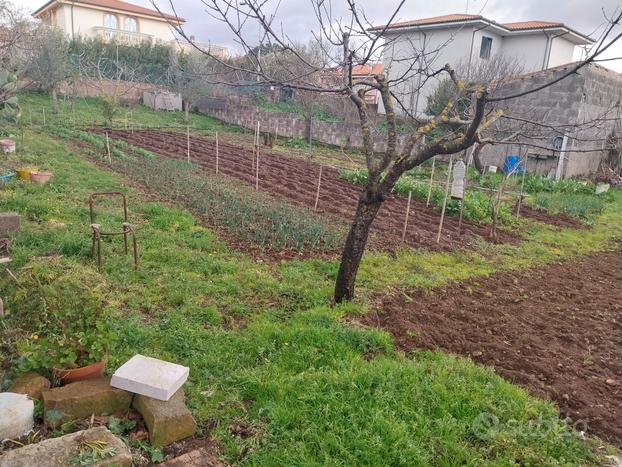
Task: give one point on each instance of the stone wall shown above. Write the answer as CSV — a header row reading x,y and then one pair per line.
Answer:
x,y
237,112
125,90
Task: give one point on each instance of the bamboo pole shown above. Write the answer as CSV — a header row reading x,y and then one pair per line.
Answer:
x,y
188,142
216,152
427,203
410,193
461,214
317,193
108,148
440,224
43,116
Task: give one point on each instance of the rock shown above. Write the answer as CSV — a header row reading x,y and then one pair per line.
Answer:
x,y
9,224
16,415
167,421
611,382
31,384
82,399
65,451
150,377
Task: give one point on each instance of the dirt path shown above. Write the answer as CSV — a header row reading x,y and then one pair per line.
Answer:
x,y
296,180
556,330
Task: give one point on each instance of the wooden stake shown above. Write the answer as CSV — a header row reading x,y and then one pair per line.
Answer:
x,y
216,152
461,214
410,193
44,116
427,203
257,166
440,224
522,193
188,142
108,148
317,193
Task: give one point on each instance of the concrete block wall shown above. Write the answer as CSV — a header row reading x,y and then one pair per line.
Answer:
x,y
588,95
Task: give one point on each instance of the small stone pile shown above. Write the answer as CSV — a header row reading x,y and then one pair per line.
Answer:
x,y
152,387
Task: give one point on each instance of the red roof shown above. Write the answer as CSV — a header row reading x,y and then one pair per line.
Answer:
x,y
526,25
120,5
367,70
432,20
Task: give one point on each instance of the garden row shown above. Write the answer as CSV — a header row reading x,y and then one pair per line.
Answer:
x,y
297,181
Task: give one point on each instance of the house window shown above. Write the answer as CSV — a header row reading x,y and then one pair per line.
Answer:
x,y
130,24
110,21
486,48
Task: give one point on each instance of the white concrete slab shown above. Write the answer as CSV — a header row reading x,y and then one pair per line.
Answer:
x,y
150,377
16,415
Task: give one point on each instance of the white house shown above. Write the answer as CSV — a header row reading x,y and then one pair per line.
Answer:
x,y
110,19
464,40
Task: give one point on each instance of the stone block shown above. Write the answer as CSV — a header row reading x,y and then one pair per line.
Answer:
x,y
16,415
9,224
167,421
65,451
82,399
150,377
31,384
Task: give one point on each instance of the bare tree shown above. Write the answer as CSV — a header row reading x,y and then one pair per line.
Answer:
x,y
358,45
186,76
49,65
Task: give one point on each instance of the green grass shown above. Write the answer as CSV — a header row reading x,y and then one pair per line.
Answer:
x,y
263,348
575,204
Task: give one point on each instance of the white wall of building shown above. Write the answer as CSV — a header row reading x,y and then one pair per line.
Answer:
x,y
562,52
530,50
455,44
86,21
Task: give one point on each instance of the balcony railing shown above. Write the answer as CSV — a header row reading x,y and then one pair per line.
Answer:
x,y
127,37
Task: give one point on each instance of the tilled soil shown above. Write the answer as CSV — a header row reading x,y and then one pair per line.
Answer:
x,y
556,330
296,180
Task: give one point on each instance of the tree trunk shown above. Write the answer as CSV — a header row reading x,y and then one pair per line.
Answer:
x,y
477,160
355,247
54,100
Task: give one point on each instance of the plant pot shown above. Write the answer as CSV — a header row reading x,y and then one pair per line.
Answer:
x,y
24,172
7,177
71,375
41,178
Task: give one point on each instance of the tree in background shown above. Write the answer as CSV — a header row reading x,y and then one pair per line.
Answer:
x,y
49,65
187,76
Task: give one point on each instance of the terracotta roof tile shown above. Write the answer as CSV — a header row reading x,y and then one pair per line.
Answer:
x,y
525,25
120,5
431,20
367,70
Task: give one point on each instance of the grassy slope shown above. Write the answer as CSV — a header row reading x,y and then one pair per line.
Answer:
x,y
317,396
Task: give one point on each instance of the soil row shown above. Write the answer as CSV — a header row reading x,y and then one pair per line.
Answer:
x,y
297,181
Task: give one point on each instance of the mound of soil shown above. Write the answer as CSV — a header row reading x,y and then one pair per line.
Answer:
x,y
556,330
296,180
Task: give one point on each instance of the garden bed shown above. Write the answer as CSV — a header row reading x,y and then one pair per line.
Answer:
x,y
296,180
555,330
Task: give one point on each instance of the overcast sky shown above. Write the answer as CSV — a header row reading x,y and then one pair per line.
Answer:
x,y
298,20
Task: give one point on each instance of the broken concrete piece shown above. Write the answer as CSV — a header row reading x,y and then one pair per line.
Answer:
x,y
31,384
9,224
82,399
64,451
150,377
16,415
167,421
